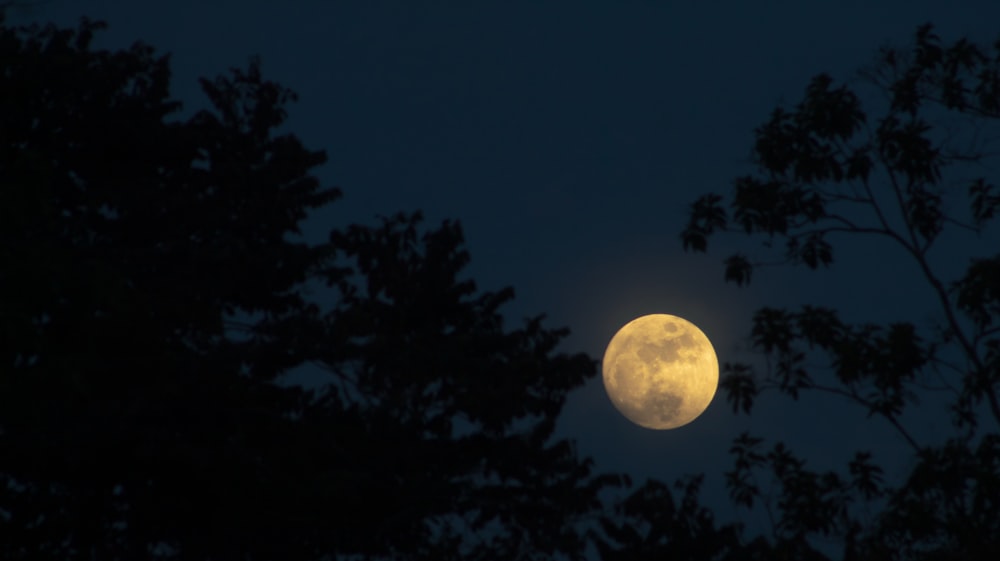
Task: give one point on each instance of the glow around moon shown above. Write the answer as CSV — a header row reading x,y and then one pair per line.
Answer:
x,y
660,371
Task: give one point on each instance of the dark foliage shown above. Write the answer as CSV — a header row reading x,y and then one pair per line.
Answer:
x,y
153,304
828,168
155,307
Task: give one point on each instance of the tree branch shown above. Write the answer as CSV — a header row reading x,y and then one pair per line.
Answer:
x,y
963,340
897,191
862,401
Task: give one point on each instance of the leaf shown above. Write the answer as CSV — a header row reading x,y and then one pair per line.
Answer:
x,y
773,330
815,252
738,270
742,489
707,216
985,201
819,326
979,291
867,477
924,213
859,164
740,386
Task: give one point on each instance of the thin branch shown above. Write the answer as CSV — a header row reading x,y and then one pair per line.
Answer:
x,y
984,334
966,344
941,377
950,366
861,401
961,224
935,283
898,192
973,159
845,230
842,198
976,111
878,211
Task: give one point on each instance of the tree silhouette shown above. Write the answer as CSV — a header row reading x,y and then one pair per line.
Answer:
x,y
918,176
157,306
153,304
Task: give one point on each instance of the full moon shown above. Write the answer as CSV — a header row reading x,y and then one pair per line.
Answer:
x,y
660,371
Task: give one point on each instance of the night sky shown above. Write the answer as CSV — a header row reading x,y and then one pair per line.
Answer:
x,y
569,138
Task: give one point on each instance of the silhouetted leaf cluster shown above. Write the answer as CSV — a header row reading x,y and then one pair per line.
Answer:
x,y
155,307
828,168
653,523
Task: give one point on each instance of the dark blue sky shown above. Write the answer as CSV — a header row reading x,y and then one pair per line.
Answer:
x,y
569,139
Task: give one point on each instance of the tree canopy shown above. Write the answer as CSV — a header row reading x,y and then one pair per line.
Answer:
x,y
154,301
914,171
157,305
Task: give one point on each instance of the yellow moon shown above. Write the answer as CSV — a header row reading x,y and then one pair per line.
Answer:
x,y
660,371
